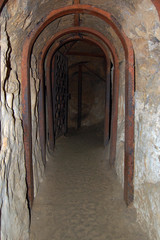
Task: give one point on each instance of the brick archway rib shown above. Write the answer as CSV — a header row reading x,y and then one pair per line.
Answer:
x,y
129,91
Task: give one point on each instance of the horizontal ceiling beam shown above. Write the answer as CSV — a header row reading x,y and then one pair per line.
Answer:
x,y
85,54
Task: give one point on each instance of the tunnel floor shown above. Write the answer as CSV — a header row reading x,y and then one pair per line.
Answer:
x,y
80,197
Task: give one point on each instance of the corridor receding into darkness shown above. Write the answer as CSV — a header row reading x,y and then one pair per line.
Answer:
x,y
79,119
80,197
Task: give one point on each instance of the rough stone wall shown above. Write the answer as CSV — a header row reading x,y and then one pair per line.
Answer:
x,y
145,35
102,27
15,215
140,21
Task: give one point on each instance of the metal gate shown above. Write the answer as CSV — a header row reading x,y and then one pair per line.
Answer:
x,y
60,95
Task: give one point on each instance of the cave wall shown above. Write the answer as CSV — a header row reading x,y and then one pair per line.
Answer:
x,y
14,205
145,36
140,22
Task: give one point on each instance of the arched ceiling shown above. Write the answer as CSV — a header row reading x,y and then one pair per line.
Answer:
x,y
33,11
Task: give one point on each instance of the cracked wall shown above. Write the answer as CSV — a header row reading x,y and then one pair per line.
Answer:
x,y
140,22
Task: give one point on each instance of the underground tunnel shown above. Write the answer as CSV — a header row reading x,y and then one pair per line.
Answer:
x,y
80,113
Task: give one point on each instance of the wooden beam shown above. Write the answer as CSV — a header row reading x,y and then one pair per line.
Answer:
x,y
76,20
79,116
85,54
77,16
94,73
49,83
107,103
68,48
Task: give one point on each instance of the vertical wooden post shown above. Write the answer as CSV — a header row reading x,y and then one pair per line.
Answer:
x,y
42,119
114,117
42,111
79,97
66,98
107,104
52,80
50,105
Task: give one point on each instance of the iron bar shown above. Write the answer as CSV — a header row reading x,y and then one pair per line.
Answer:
x,y
77,16
49,106
79,115
107,104
86,54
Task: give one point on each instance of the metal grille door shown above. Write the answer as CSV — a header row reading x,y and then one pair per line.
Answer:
x,y
60,94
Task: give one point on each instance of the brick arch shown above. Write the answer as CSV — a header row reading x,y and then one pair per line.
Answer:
x,y
129,90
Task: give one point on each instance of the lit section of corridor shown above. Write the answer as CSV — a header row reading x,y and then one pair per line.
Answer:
x,y
80,197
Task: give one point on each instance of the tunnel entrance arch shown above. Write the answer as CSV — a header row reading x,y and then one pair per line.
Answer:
x,y
49,57
42,56
129,92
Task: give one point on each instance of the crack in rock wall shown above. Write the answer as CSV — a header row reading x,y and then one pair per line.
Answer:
x,y
12,178
38,166
140,22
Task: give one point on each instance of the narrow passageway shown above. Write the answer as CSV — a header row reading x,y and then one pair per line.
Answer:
x,y
80,197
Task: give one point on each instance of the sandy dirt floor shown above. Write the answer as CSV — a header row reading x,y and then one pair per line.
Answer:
x,y
80,197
